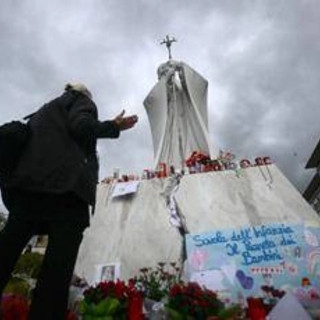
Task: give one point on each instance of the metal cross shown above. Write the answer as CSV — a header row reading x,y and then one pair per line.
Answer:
x,y
168,42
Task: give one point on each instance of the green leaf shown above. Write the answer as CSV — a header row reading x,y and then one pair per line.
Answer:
x,y
84,307
106,307
229,312
174,315
114,304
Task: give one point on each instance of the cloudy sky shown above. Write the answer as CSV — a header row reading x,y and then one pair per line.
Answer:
x,y
261,59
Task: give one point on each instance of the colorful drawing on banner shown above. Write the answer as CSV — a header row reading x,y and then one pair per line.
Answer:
x,y
297,252
292,268
212,279
229,271
311,239
198,259
245,281
313,260
247,258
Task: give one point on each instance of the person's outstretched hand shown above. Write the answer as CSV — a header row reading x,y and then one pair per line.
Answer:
x,y
125,123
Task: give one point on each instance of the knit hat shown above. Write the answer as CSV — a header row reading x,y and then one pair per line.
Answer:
x,y
80,88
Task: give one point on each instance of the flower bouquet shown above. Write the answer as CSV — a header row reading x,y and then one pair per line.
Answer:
x,y
190,301
155,284
110,300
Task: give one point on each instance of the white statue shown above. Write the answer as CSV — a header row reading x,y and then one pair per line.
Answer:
x,y
177,111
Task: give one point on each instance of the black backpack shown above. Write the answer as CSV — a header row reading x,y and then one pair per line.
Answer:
x,y
14,136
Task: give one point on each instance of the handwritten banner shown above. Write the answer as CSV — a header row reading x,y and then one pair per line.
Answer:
x,y
247,258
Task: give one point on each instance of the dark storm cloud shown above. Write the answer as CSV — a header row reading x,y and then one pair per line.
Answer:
x,y
273,83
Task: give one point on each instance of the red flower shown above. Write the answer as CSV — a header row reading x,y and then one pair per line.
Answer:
x,y
71,316
14,307
131,284
192,299
107,288
120,289
175,290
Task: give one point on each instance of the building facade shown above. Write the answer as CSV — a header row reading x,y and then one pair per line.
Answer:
x,y
312,192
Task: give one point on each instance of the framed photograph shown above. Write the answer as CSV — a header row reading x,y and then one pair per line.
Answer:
x,y
107,272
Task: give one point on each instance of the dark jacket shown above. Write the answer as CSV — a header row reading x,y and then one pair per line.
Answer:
x,y
61,154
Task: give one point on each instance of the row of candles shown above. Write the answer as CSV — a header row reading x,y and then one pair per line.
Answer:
x,y
196,163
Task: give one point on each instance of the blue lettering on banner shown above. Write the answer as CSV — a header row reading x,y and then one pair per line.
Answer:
x,y
243,234
264,256
232,249
266,244
253,245
217,238
264,231
287,241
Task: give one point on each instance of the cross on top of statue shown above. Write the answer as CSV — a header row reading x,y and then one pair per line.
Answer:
x,y
168,42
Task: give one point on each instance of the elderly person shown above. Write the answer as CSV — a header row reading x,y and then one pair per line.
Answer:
x,y
51,190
